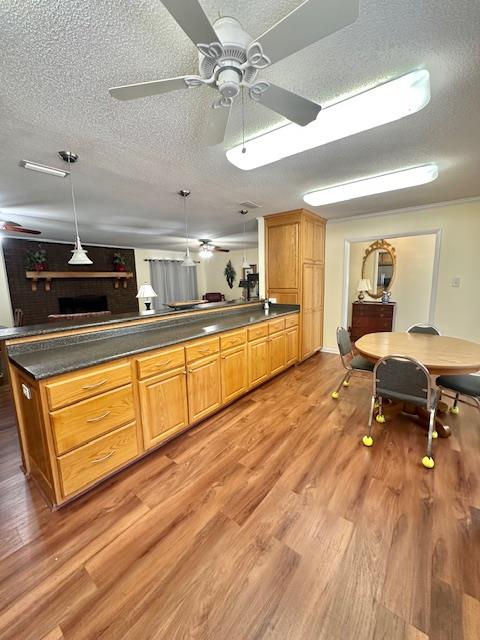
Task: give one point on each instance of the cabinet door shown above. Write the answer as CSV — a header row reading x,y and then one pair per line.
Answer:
x,y
308,282
319,242
277,353
282,256
234,372
163,402
307,333
308,239
258,362
204,388
291,346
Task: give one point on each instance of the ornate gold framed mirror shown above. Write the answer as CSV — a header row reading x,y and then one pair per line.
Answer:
x,y
378,267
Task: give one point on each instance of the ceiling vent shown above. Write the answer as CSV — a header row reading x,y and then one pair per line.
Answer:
x,y
248,204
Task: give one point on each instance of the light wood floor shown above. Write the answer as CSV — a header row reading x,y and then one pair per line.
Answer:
x,y
268,521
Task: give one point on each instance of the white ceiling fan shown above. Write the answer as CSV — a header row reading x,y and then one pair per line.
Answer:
x,y
229,59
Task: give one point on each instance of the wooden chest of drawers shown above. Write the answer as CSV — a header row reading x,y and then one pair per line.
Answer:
x,y
371,317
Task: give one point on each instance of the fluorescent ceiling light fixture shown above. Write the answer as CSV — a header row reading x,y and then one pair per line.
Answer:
x,y
43,168
376,184
386,103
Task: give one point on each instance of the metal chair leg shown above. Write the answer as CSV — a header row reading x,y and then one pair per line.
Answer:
x,y
455,408
368,440
380,416
346,380
336,393
427,460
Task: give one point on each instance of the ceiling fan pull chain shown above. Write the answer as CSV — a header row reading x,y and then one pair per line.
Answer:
x,y
244,149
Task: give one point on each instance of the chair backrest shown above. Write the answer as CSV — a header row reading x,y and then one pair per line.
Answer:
x,y
402,378
343,340
424,328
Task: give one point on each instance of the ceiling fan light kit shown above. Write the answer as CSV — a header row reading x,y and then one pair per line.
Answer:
x,y
230,59
384,103
402,179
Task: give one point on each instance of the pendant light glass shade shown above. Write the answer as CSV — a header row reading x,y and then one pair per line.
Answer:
x,y
245,263
79,255
187,261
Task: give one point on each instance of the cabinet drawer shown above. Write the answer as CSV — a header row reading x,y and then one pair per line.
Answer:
x,y
72,387
89,419
160,361
233,339
202,348
258,331
89,463
291,321
274,326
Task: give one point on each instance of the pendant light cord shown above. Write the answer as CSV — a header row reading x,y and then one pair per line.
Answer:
x,y
186,222
243,124
73,201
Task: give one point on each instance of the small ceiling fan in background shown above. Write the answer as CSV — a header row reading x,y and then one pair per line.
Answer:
x,y
207,248
15,227
230,59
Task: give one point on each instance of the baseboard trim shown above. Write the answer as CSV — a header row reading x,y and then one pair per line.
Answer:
x,y
329,350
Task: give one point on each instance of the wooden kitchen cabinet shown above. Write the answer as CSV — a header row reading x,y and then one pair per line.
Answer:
x,y
291,346
234,373
258,362
204,387
164,407
277,353
295,258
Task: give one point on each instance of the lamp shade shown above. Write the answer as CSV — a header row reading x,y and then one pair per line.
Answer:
x,y
364,285
79,255
188,260
146,291
245,264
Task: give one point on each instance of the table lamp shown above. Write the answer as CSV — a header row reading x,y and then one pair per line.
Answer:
x,y
147,293
364,286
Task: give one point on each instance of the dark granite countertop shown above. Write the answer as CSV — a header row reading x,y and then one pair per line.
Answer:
x,y
69,325
47,358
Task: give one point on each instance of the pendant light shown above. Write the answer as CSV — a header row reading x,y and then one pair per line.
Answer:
x,y
187,261
79,254
245,264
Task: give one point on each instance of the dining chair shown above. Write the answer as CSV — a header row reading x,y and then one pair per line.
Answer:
x,y
424,328
351,361
462,385
403,379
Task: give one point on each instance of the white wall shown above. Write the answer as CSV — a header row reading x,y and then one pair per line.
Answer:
x,y
142,268
210,272
6,315
412,283
457,310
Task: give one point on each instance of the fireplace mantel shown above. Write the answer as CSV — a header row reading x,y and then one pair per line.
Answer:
x,y
48,276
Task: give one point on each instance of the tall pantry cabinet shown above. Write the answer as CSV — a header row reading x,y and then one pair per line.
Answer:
x,y
295,264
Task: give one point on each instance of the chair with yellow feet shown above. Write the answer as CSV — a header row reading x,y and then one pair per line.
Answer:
x,y
351,361
403,379
462,385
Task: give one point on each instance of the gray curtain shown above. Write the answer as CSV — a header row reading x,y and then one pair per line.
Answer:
x,y
172,282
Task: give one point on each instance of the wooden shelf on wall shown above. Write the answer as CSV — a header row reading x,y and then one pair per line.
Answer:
x,y
48,276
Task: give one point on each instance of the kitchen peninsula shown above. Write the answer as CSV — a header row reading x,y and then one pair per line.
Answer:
x,y
93,397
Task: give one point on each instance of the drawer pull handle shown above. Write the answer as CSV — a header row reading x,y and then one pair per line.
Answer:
x,y
87,387
109,455
98,418
164,364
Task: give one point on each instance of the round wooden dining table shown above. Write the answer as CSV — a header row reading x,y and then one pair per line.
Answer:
x,y
441,355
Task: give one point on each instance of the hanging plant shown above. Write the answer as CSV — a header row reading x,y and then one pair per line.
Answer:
x,y
230,274
36,260
119,262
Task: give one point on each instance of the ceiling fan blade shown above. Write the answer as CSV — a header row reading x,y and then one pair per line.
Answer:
x,y
15,228
309,22
216,125
288,104
192,19
12,224
144,89
222,250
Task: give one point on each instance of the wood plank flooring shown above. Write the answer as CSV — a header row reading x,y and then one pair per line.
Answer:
x,y
269,521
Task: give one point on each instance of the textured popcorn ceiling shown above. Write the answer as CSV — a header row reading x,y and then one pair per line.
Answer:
x,y
60,57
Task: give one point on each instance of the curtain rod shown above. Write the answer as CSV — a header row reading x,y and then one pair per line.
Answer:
x,y
162,260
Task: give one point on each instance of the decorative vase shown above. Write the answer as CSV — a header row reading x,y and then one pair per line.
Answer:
x,y
386,297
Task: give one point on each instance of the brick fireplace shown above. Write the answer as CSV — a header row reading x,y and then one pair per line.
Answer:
x,y
38,305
